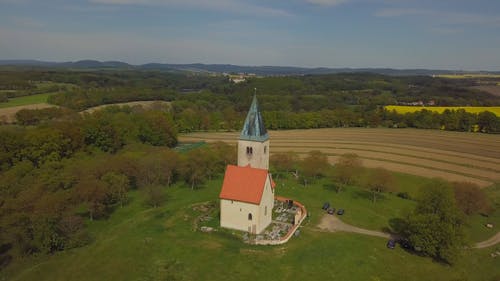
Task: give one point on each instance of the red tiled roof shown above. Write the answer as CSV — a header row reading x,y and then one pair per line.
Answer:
x,y
244,184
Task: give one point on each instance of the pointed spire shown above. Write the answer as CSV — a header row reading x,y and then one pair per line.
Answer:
x,y
254,129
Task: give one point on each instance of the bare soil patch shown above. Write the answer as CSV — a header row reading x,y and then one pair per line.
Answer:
x,y
8,115
144,104
332,223
492,89
490,242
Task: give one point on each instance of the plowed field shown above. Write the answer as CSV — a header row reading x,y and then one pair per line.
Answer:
x,y
454,156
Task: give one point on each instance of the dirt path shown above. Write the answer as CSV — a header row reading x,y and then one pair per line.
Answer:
x,y
332,223
488,243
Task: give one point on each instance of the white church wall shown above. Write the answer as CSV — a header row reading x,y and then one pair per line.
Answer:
x,y
234,215
259,156
266,207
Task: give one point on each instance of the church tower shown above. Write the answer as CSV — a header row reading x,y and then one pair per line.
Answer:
x,y
253,145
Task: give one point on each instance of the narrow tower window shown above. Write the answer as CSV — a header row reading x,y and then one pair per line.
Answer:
x,y
249,216
249,150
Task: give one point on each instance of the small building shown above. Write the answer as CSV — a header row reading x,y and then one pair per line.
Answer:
x,y
246,199
247,194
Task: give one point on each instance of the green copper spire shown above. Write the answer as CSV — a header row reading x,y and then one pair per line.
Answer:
x,y
253,129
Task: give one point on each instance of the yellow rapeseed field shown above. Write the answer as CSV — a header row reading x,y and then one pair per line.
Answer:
x,y
468,75
440,109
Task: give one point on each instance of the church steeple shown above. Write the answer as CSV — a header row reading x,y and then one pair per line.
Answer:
x,y
253,128
253,146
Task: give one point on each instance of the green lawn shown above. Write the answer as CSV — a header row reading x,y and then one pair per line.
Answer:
x,y
26,100
142,243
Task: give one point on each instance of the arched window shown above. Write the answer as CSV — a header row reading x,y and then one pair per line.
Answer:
x,y
249,150
249,216
265,149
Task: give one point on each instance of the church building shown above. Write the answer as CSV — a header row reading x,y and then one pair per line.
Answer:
x,y
247,195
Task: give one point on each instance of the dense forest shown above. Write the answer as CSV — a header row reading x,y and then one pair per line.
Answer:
x,y
60,167
213,102
56,174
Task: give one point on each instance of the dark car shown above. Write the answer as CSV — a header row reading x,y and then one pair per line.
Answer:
x,y
331,211
404,243
326,206
391,244
340,212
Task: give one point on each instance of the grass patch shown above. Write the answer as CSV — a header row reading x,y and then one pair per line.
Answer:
x,y
185,147
142,243
26,100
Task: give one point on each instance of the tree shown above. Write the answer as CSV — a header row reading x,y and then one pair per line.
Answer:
x,y
379,180
157,128
118,185
346,170
155,195
93,193
435,227
194,167
157,167
313,165
488,122
284,162
470,198
3,97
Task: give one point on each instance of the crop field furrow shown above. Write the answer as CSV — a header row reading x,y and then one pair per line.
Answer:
x,y
449,145
415,154
420,171
386,144
492,176
454,156
438,155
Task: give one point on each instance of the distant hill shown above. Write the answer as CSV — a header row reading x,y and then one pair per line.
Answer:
x,y
226,68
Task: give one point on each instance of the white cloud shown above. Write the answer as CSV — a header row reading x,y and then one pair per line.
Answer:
x,y
234,6
445,17
327,2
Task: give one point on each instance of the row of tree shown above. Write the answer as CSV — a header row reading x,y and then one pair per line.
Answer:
x,y
108,130
434,228
43,208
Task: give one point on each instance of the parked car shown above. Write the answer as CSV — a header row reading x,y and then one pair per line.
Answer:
x,y
391,244
326,206
331,211
340,212
404,243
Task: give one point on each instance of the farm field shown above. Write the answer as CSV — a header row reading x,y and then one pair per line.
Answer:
x,y
26,100
440,109
142,243
144,104
468,76
492,89
453,156
8,114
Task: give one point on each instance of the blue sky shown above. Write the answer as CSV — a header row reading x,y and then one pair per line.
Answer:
x,y
444,34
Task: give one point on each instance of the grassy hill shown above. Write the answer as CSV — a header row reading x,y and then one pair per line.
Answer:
x,y
142,243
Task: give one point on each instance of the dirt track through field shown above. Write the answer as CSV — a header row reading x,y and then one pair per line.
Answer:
x,y
490,242
332,223
454,156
